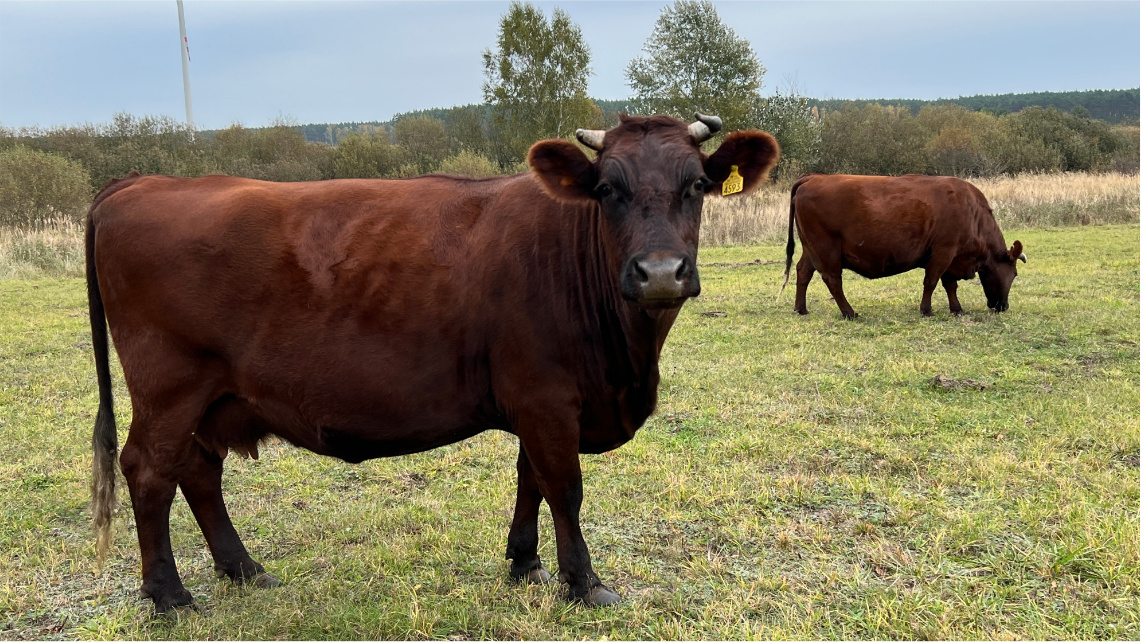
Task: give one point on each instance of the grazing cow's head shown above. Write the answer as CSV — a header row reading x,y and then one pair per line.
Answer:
x,y
649,179
998,273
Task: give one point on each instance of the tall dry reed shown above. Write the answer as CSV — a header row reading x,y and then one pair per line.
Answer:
x,y
1026,200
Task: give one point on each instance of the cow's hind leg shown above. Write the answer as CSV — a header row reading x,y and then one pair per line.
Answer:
x,y
951,285
201,484
835,282
151,480
523,539
227,422
804,272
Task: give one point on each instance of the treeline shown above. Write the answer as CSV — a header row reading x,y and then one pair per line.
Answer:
x,y
953,140
1115,106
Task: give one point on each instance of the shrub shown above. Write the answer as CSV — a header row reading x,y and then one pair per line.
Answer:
x,y
872,139
367,156
37,188
424,139
467,163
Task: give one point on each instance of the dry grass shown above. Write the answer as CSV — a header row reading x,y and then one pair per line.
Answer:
x,y
53,249
1027,200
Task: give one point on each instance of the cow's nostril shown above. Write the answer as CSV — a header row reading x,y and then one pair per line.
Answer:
x,y
682,269
640,273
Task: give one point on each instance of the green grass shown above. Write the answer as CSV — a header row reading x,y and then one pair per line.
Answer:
x,y
803,478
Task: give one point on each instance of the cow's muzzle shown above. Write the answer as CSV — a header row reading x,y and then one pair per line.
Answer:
x,y
660,280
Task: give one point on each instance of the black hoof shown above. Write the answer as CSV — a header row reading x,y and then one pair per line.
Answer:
x,y
263,580
170,603
601,596
536,576
801,312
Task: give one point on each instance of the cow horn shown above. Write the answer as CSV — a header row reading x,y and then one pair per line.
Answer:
x,y
705,127
592,138
1022,257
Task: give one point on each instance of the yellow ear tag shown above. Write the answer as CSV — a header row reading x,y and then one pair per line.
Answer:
x,y
735,183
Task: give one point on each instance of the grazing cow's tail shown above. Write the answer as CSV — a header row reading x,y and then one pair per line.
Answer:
x,y
791,247
105,440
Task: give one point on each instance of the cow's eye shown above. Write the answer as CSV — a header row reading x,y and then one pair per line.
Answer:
x,y
603,190
699,187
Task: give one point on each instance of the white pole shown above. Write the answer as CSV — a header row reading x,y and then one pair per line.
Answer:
x,y
184,45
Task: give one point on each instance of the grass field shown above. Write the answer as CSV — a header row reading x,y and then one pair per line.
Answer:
x,y
804,477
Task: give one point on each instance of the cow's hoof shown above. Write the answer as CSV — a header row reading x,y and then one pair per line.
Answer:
x,y
801,311
263,580
957,313
170,603
536,576
601,596
927,313
851,317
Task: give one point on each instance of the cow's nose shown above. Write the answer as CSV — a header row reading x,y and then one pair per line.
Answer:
x,y
661,277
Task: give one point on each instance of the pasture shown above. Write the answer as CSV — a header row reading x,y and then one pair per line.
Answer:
x,y
803,477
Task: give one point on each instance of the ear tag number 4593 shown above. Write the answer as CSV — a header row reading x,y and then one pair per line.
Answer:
x,y
735,183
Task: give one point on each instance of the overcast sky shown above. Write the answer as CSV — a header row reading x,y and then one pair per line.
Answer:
x,y
76,62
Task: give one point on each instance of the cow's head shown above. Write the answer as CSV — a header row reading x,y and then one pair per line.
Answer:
x,y
998,273
649,180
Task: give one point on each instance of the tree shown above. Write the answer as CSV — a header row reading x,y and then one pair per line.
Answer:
x,y
424,139
695,62
795,125
536,80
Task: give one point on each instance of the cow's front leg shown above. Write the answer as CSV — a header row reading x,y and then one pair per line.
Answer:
x,y
951,285
552,449
523,539
936,267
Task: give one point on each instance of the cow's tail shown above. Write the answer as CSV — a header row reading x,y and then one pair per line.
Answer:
x,y
105,440
790,248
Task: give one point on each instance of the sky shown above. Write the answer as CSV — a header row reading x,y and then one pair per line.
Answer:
x,y
68,63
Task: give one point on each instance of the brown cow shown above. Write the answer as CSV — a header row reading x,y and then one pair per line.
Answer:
x,y
374,318
878,226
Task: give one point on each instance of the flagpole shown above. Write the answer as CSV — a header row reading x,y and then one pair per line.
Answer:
x,y
184,45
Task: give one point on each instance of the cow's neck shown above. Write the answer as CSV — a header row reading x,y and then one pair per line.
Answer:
x,y
633,337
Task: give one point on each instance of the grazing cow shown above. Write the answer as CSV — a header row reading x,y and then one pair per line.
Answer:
x,y
878,226
374,318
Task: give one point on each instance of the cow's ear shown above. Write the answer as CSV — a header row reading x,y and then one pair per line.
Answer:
x,y
754,153
1016,252
563,170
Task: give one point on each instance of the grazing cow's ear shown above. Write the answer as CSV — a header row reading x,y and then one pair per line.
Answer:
x,y
1016,252
753,152
562,168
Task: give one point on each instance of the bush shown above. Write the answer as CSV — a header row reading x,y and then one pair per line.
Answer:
x,y
367,156
872,139
37,188
468,163
424,139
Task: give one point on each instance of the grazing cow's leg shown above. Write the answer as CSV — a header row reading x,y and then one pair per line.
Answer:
x,y
201,484
936,268
835,282
552,447
523,539
951,285
804,271
152,487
